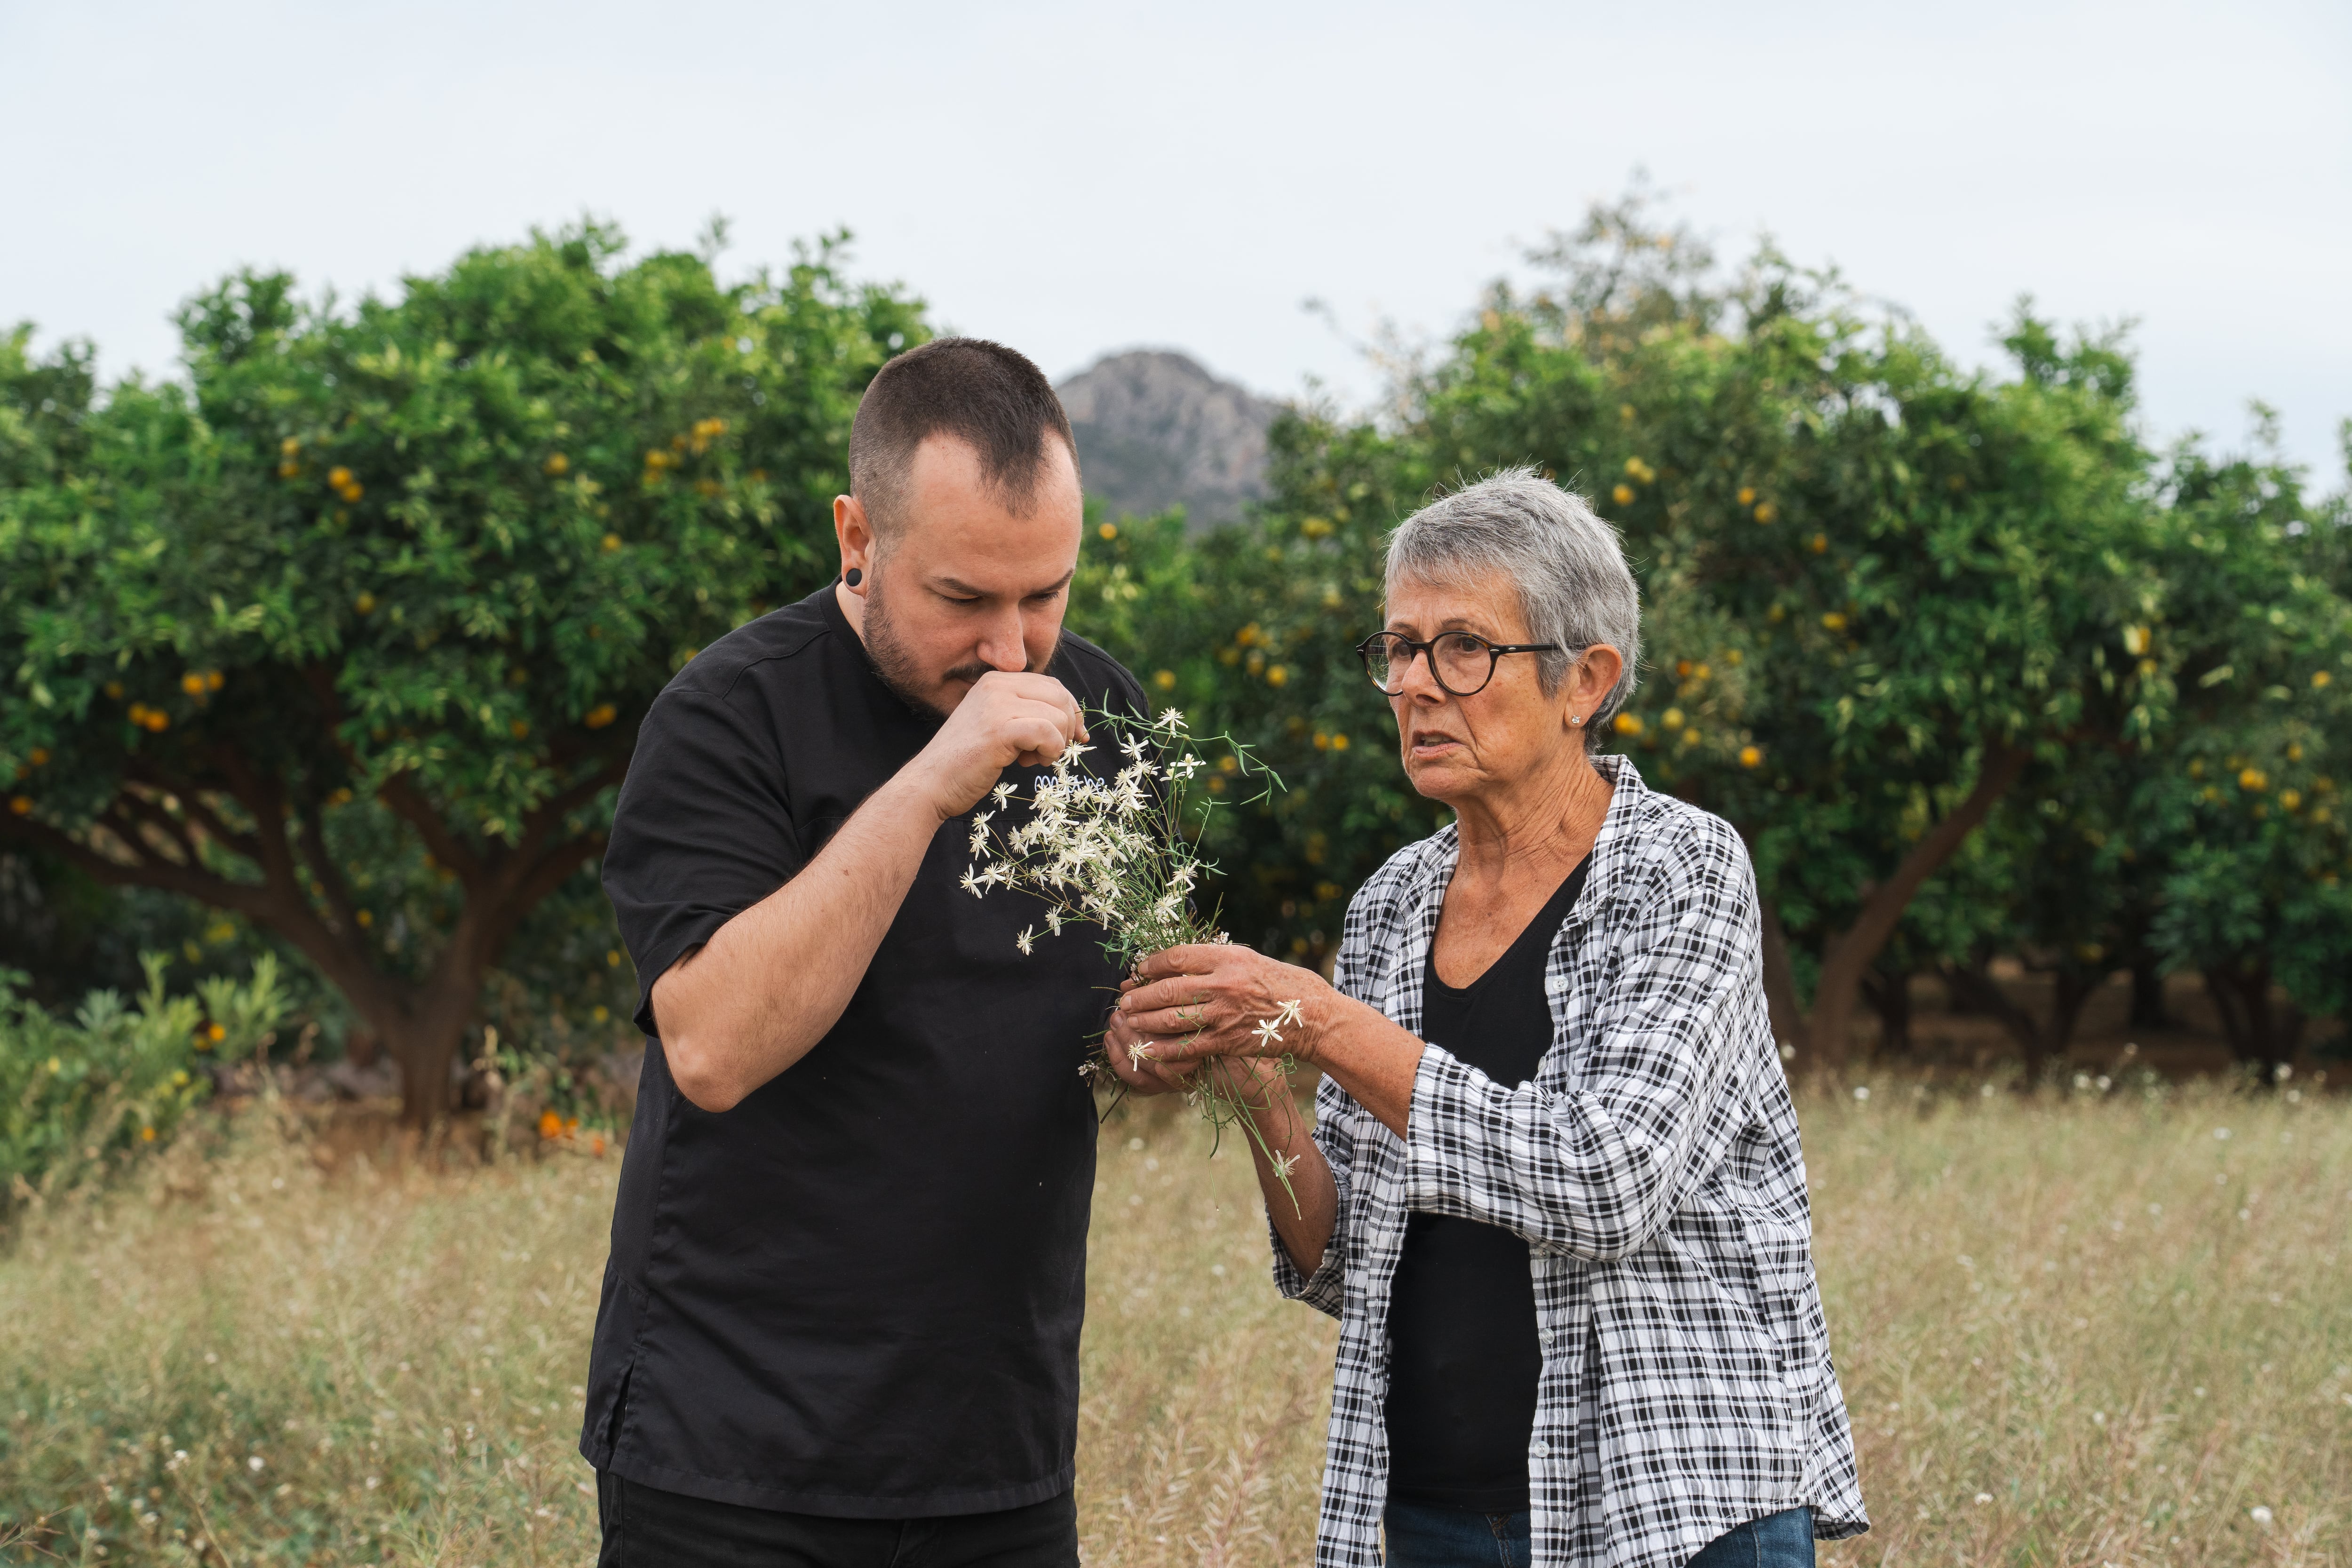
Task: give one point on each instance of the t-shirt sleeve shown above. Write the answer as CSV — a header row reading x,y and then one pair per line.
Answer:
x,y
703,830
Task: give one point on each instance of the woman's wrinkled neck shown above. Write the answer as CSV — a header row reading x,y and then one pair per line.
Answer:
x,y
1543,823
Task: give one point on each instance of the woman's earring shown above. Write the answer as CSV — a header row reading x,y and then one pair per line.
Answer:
x,y
1577,720
852,576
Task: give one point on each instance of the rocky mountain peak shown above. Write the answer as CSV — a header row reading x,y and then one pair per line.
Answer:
x,y
1155,430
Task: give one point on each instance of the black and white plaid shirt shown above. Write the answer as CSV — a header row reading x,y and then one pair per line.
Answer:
x,y
1652,1166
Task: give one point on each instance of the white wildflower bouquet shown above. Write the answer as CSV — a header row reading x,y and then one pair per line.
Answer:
x,y
1120,856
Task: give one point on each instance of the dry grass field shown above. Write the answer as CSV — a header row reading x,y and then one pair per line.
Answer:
x,y
2099,1327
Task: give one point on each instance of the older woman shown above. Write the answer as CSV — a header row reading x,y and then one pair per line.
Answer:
x,y
1553,1192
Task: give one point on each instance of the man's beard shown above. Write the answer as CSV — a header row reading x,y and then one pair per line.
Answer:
x,y
897,666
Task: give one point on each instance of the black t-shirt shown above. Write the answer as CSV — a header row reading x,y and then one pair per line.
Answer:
x,y
858,1292
1463,1356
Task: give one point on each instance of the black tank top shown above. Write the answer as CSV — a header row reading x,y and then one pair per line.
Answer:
x,y
1463,1356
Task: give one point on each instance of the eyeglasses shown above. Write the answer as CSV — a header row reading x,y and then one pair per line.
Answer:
x,y
1463,662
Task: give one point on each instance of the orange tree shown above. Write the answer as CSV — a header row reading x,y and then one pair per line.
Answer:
x,y
2240,820
1876,586
350,634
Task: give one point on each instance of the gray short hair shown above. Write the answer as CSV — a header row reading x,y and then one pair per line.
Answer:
x,y
1567,564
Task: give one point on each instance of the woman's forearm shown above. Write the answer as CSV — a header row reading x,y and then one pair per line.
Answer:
x,y
1305,1212
1374,1058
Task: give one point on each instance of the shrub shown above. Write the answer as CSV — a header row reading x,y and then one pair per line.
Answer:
x,y
78,1094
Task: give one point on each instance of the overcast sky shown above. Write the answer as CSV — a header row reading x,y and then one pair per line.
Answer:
x,y
1080,178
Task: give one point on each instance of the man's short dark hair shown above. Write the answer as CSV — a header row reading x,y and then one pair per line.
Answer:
x,y
986,395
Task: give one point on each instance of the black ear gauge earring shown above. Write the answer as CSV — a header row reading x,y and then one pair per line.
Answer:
x,y
852,576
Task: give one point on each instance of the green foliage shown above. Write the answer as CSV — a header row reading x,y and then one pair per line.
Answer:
x,y
2242,817
351,635
1878,588
79,1094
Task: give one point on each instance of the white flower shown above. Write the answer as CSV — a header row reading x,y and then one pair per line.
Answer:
x,y
971,883
1053,922
1292,1011
1134,746
1026,940
1139,1051
1268,1033
1284,1164
1002,794
1172,719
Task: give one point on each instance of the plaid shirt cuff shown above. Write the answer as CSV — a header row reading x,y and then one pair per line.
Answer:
x,y
1443,1105
1326,1289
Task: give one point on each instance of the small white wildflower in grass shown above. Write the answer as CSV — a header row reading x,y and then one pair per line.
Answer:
x,y
2259,1514
1862,1091
1984,1497
2220,1134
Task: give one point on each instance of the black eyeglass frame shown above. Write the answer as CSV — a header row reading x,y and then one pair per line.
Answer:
x,y
1413,650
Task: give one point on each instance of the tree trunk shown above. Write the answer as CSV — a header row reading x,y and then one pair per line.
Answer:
x,y
1781,985
2259,1034
2071,990
2148,1009
1890,998
1974,989
428,1030
1848,956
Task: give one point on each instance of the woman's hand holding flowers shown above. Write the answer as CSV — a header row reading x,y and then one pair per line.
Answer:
x,y
1215,999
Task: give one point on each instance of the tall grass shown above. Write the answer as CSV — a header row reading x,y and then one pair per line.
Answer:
x,y
2072,1331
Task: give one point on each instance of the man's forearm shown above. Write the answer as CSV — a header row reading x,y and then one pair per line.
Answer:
x,y
770,983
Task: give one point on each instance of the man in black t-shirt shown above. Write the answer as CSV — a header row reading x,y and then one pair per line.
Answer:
x,y
840,1323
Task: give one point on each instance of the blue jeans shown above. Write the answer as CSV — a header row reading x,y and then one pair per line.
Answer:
x,y
1418,1536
